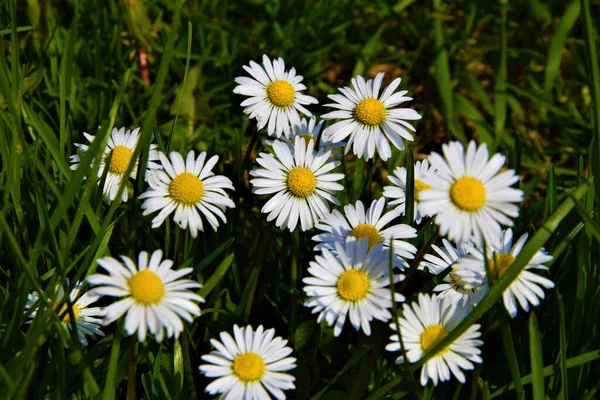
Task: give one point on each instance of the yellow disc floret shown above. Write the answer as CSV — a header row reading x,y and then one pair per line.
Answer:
x,y
370,112
186,188
146,287
64,313
249,367
281,93
431,336
301,182
419,187
468,193
353,285
367,231
500,264
120,158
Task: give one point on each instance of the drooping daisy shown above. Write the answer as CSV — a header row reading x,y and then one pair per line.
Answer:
x,y
357,223
370,120
309,131
352,281
117,154
189,188
151,293
275,96
85,320
468,195
301,183
249,365
398,190
456,291
526,288
427,323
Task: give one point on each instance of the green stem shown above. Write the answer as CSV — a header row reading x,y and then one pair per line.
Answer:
x,y
509,346
187,365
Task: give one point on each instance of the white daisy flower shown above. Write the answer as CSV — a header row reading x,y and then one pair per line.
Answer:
x,y
309,130
187,187
370,120
119,150
397,191
249,365
352,281
456,291
427,323
302,184
85,322
151,293
370,224
468,196
275,96
526,288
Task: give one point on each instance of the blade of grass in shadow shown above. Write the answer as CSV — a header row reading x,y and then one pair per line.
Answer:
x,y
495,292
564,392
552,370
441,72
537,361
594,76
509,348
555,50
501,77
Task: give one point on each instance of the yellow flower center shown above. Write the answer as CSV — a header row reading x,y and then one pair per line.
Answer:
x,y
367,231
301,182
120,158
353,285
370,112
468,193
64,313
431,336
419,187
146,287
281,93
503,262
249,367
186,188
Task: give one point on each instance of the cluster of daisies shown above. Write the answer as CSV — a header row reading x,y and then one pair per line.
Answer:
x,y
465,192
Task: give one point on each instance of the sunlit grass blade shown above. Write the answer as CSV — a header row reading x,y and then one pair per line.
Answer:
x,y
537,362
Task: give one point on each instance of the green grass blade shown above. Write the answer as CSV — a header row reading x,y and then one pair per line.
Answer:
x,y
500,85
509,348
537,362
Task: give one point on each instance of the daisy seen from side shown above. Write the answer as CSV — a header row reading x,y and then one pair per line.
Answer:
x,y
352,282
526,289
300,181
86,322
469,196
275,96
397,191
370,121
151,293
189,189
371,224
250,365
426,323
116,157
461,293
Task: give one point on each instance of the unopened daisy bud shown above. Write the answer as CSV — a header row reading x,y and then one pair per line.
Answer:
x,y
469,196
526,289
423,326
397,192
352,282
151,293
85,321
274,96
120,149
370,120
188,188
249,364
301,182
370,224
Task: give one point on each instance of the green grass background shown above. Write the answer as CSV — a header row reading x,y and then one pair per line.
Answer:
x,y
521,76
